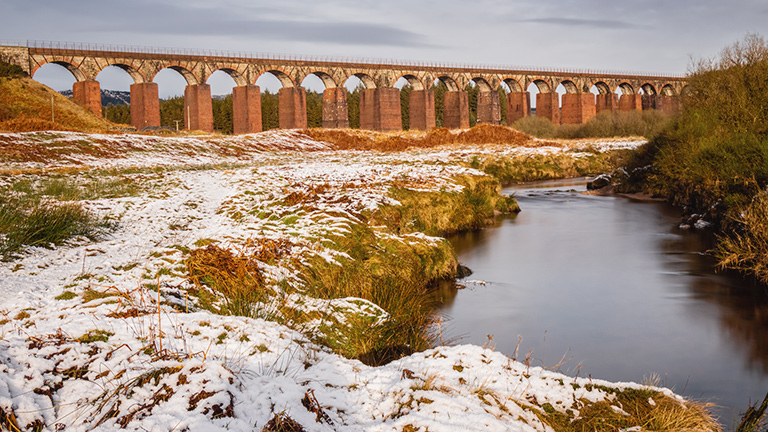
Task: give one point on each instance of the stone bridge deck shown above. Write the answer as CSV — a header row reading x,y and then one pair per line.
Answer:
x,y
379,101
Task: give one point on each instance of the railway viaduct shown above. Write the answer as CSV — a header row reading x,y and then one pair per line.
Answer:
x,y
379,101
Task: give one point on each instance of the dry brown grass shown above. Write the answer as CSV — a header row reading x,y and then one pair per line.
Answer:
x,y
352,139
647,409
25,106
235,275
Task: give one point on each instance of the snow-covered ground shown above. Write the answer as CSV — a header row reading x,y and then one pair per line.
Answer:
x,y
105,355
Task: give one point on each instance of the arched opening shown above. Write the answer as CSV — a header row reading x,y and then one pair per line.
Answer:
x,y
222,84
404,85
484,103
547,100
648,89
270,83
315,84
503,91
440,86
171,83
516,103
625,88
629,99
648,96
605,99
59,76
472,90
533,92
668,90
566,87
115,82
355,84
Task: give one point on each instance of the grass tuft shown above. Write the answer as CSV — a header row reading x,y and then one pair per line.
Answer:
x,y
26,222
631,408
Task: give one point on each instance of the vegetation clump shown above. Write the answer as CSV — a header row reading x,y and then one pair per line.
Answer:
x,y
628,409
606,124
8,70
714,159
383,269
347,139
25,222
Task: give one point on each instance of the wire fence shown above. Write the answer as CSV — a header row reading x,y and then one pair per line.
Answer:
x,y
139,50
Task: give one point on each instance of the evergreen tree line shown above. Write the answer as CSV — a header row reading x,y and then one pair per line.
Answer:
x,y
172,109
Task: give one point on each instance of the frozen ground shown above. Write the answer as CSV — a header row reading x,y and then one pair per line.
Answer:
x,y
108,356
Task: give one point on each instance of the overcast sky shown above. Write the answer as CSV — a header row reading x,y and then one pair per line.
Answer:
x,y
629,35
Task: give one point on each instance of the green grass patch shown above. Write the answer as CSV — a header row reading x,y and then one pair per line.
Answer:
x,y
94,336
442,213
43,223
66,295
550,167
378,262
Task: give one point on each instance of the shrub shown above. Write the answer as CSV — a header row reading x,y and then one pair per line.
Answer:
x,y
606,124
11,70
715,158
539,127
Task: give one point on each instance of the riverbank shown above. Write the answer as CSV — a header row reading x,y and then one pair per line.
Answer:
x,y
714,159
244,282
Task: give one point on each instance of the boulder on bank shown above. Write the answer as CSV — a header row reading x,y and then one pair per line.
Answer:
x,y
599,182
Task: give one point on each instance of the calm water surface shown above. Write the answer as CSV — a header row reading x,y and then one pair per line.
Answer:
x,y
614,287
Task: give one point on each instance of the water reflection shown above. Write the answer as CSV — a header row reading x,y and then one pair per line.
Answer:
x,y
613,285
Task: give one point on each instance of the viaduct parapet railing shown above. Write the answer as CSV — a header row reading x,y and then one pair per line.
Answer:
x,y
380,101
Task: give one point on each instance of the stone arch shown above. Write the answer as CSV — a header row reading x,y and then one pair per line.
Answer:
x,y
649,89
282,76
626,88
366,79
482,84
137,76
542,85
513,84
74,70
668,90
602,87
325,77
449,82
188,76
685,91
237,76
570,86
413,81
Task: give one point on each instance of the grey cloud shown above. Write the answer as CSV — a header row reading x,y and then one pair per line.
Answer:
x,y
576,22
296,31
99,17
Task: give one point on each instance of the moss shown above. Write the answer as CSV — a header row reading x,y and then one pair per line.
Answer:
x,y
66,295
94,336
90,295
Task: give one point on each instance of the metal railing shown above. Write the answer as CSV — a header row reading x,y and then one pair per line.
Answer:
x,y
256,56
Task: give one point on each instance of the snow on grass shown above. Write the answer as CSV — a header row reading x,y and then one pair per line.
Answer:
x,y
85,345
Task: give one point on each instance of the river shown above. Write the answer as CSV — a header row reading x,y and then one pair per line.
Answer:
x,y
611,288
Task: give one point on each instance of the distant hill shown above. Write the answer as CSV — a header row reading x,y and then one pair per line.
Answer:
x,y
114,97
120,97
